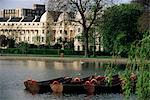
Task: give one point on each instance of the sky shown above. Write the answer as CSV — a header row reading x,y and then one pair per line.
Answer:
x,y
10,4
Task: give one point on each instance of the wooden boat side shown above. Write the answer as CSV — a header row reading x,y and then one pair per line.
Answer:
x,y
70,87
40,87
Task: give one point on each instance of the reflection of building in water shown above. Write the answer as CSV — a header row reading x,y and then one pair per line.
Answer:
x,y
75,65
58,65
36,64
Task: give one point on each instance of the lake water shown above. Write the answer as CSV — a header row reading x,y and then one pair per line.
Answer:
x,y
14,72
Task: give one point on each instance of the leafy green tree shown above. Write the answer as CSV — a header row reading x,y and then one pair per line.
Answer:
x,y
86,8
144,19
3,41
119,27
145,3
23,47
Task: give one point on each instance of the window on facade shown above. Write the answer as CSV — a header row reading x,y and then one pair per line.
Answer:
x,y
28,38
23,31
27,31
83,47
42,39
19,38
78,48
60,31
65,23
54,31
78,29
36,31
65,32
60,23
65,39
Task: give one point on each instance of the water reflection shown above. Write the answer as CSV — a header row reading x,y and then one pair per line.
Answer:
x,y
75,65
14,72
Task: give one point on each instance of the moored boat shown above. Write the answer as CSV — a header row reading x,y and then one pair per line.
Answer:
x,y
67,85
35,87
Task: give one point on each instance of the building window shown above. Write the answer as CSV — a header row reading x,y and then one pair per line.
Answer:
x,y
47,31
79,29
27,31
83,47
60,31
60,23
36,31
54,31
65,32
78,48
19,38
28,38
65,24
42,39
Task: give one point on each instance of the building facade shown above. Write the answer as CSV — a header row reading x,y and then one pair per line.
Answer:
x,y
36,30
37,10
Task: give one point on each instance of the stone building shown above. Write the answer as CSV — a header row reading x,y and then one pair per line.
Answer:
x,y
37,10
36,30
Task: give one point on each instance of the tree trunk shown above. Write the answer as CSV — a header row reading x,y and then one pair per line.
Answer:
x,y
85,42
94,49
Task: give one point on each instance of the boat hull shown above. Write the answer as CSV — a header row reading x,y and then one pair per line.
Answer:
x,y
69,87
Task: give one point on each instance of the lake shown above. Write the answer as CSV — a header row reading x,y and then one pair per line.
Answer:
x,y
14,72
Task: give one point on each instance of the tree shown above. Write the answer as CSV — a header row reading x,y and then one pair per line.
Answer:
x,y
86,8
119,27
94,39
144,18
145,3
3,40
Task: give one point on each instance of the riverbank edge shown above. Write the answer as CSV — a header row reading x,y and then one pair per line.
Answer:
x,y
82,59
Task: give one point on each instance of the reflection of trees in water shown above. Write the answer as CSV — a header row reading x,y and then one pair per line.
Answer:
x,y
101,66
92,65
